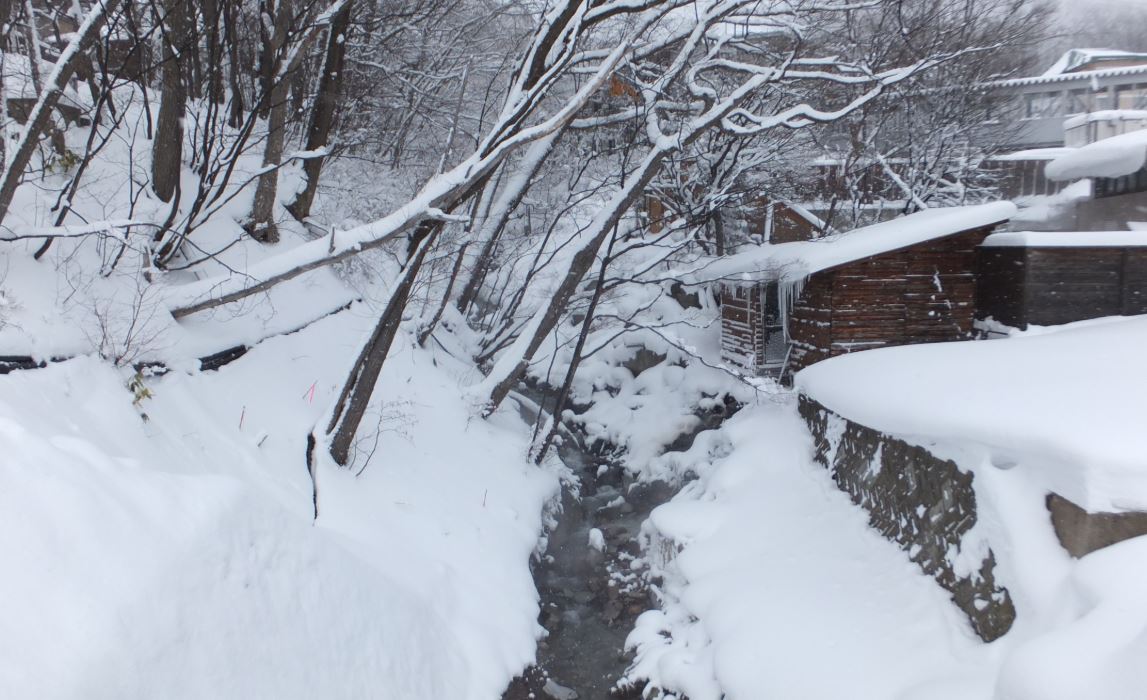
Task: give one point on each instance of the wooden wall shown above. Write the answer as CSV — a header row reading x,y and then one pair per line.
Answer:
x,y
742,326
1053,285
921,294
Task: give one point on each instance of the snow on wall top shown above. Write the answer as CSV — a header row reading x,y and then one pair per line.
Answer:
x,y
1035,154
1024,398
1067,239
794,261
1104,115
1111,157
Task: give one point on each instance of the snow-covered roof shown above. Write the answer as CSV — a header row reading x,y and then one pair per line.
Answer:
x,y
1067,239
1104,115
794,261
1074,58
1111,157
1078,76
1068,402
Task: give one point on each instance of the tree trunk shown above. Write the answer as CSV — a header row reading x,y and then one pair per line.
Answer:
x,y
231,31
326,105
40,115
425,333
504,204
167,148
355,396
277,86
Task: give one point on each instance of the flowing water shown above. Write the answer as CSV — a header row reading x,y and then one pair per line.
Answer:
x,y
591,595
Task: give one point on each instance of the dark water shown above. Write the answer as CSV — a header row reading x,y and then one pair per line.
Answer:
x,y
591,598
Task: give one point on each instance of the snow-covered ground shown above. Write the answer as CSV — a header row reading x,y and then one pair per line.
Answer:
x,y
774,586
781,590
176,556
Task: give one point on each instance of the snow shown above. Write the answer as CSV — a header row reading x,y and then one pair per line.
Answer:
x,y
1034,154
794,261
1021,398
1042,208
1111,157
596,539
771,575
175,556
1074,58
1103,115
1067,239
780,579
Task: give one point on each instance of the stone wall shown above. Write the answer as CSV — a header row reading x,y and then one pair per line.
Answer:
x,y
923,503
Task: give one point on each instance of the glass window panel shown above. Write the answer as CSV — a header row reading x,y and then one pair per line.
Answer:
x,y
1044,104
1079,102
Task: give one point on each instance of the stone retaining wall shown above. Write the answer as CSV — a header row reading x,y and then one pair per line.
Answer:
x,y
923,503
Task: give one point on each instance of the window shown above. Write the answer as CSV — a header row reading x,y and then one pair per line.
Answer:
x,y
1131,96
1042,105
1078,102
1102,100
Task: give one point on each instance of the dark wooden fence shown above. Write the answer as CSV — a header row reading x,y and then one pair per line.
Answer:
x,y
1046,286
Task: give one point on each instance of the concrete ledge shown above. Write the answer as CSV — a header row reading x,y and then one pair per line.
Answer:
x,y
1081,532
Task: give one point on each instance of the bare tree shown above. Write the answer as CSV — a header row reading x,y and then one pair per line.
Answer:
x,y
325,109
167,148
40,114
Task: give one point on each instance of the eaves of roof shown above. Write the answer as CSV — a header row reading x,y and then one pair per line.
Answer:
x,y
1070,77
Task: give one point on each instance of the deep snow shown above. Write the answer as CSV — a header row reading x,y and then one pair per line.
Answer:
x,y
175,557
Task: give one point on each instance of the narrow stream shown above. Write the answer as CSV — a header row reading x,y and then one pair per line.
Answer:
x,y
591,595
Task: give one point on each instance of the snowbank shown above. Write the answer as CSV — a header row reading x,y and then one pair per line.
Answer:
x,y
782,590
793,261
1068,401
175,556
1111,157
776,587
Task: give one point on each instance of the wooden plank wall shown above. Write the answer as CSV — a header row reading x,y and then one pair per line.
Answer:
x,y
1000,286
742,326
1054,285
921,294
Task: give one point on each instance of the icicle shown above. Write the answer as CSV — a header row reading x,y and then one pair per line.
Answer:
x,y
788,293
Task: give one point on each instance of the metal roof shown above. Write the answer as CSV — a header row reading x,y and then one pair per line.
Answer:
x,y
1071,77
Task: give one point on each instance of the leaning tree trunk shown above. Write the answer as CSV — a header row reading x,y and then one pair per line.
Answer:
x,y
40,115
505,202
575,360
356,392
167,148
323,114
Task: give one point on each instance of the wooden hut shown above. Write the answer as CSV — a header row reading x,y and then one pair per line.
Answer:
x,y
909,280
1049,278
